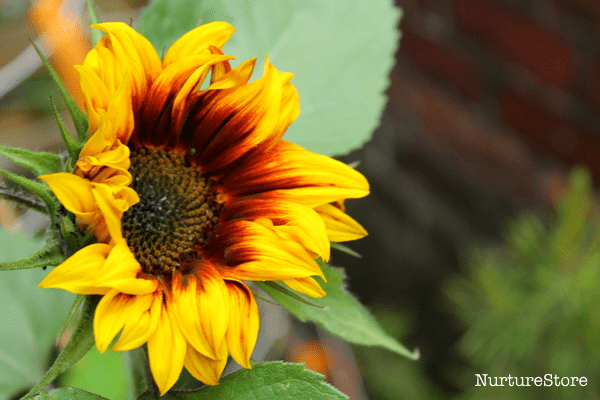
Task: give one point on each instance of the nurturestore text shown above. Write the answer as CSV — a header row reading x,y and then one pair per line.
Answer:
x,y
546,380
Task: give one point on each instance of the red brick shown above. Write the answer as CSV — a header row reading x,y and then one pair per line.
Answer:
x,y
580,7
566,141
593,86
436,60
519,40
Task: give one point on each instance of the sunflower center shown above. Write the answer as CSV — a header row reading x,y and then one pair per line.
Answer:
x,y
177,212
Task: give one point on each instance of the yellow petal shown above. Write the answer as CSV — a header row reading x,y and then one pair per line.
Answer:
x,y
233,79
103,166
74,192
251,113
121,270
289,172
197,41
258,253
206,369
340,227
116,309
166,351
213,306
141,324
113,202
132,51
184,302
243,323
79,273
309,286
291,221
97,95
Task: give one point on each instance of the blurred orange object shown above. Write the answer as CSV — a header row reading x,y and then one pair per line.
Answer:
x,y
69,38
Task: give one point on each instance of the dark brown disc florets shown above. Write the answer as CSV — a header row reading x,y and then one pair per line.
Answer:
x,y
177,212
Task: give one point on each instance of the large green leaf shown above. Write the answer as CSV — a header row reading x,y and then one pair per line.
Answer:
x,y
339,313
30,317
340,51
265,381
68,394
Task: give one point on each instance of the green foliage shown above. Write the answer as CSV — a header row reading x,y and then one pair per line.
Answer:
x,y
96,34
340,51
265,381
102,374
68,394
82,339
40,189
73,146
30,317
385,375
79,118
339,313
38,162
50,255
532,307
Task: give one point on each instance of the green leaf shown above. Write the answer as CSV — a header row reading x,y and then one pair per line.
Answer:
x,y
341,52
49,256
81,341
341,314
68,394
40,163
41,190
265,381
79,118
96,34
30,317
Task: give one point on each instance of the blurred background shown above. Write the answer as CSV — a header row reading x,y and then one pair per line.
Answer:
x,y
483,251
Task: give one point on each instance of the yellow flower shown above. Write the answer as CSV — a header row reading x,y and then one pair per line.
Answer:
x,y
190,191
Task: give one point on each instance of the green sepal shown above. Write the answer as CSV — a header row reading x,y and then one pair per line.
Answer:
x,y
96,34
40,163
280,287
345,249
81,341
73,146
49,256
41,190
72,235
79,118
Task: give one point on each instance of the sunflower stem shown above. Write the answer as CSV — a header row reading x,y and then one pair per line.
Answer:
x,y
22,199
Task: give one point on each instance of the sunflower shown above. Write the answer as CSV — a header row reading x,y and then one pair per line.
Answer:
x,y
189,191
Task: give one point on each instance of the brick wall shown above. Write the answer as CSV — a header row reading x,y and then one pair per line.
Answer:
x,y
529,68
490,104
